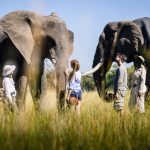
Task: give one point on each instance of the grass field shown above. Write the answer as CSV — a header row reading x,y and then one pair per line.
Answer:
x,y
98,127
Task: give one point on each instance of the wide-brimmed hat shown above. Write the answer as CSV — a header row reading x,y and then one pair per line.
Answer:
x,y
140,58
8,69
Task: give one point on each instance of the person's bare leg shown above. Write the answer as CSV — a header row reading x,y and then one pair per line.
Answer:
x,y
78,107
73,101
122,113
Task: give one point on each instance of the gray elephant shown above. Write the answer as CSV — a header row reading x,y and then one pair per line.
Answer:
x,y
26,39
126,37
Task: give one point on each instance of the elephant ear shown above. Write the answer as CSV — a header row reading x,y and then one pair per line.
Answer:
x,y
131,32
16,26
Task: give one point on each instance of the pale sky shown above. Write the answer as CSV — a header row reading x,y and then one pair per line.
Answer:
x,y
86,18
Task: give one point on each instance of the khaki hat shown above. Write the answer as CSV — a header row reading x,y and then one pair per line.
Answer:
x,y
139,57
8,69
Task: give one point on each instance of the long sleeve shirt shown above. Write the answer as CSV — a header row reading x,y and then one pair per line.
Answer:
x,y
9,87
120,81
139,79
75,83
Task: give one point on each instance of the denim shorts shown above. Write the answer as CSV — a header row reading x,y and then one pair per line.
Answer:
x,y
76,94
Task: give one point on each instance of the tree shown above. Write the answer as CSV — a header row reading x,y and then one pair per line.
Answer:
x,y
88,83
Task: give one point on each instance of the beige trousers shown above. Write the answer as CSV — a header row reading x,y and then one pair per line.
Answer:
x,y
137,102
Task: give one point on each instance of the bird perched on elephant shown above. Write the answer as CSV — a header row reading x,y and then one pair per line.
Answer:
x,y
129,38
26,39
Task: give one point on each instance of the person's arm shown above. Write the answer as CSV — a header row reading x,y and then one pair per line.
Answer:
x,y
66,72
69,90
68,94
71,87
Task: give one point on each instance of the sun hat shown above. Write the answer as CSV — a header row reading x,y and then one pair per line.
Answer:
x,y
8,69
140,58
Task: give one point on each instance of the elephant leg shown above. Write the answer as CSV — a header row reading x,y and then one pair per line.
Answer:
x,y
37,83
22,89
43,86
43,94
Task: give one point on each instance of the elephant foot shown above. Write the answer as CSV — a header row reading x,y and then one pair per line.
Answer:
x,y
21,99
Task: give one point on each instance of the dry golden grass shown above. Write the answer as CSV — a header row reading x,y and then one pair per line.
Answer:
x,y
97,127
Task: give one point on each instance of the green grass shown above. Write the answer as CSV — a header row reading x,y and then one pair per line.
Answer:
x,y
98,127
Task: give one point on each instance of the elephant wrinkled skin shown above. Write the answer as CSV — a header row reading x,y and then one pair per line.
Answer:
x,y
26,39
127,37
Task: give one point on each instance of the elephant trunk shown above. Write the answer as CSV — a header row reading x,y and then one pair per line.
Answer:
x,y
98,76
106,56
61,81
65,48
60,76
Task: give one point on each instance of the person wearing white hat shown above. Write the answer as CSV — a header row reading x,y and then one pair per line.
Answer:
x,y
9,86
138,87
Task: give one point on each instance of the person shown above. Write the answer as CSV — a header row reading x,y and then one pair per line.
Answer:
x,y
138,87
9,86
120,84
74,94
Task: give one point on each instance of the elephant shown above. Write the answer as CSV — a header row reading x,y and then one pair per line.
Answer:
x,y
129,38
26,39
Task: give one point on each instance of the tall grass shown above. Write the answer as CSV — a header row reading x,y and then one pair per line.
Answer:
x,y
97,127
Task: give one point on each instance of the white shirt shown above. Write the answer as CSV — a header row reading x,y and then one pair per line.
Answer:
x,y
75,83
9,87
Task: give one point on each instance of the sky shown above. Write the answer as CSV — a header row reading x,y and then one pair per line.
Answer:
x,y
86,18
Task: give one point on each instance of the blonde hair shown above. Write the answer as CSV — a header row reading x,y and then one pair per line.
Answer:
x,y
75,66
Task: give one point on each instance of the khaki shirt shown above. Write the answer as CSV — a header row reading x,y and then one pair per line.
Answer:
x,y
9,87
139,79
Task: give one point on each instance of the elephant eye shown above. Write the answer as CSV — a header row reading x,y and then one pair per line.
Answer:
x,y
51,24
52,51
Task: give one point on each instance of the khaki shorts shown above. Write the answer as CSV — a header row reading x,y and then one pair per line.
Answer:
x,y
119,103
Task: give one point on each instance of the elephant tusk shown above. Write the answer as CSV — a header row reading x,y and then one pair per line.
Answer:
x,y
53,60
92,70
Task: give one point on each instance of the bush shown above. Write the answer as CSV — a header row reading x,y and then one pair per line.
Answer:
x,y
88,83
